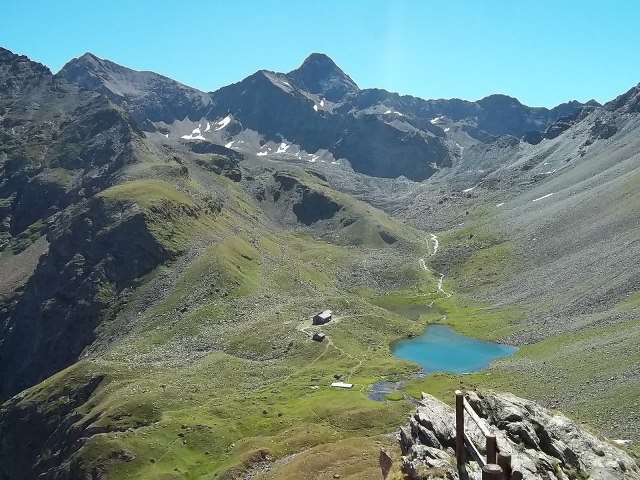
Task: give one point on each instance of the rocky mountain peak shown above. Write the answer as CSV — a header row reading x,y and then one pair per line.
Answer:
x,y
149,96
88,57
88,71
319,60
498,100
90,65
319,74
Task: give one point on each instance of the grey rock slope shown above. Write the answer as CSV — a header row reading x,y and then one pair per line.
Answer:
x,y
543,445
569,204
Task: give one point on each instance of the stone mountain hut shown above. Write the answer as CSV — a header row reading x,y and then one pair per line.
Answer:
x,y
322,318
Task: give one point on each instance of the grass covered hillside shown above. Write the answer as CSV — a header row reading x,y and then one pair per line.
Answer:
x,y
158,288
204,363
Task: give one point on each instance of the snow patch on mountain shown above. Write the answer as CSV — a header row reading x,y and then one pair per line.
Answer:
x,y
195,134
544,196
283,147
223,123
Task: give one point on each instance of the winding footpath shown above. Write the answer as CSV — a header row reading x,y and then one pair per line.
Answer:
x,y
432,247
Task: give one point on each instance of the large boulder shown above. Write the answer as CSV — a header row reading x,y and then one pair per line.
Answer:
x,y
543,445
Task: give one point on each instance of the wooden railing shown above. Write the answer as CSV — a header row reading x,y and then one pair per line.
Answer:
x,y
497,465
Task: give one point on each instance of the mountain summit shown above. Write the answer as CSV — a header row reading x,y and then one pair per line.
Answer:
x,y
319,75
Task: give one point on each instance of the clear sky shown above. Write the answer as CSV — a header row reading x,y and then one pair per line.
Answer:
x,y
543,52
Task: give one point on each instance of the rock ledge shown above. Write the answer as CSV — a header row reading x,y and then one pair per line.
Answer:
x,y
543,445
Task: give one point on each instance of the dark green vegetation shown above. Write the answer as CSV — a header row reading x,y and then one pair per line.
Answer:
x,y
155,317
221,370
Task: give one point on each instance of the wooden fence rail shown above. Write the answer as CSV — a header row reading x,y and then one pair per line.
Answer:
x,y
497,465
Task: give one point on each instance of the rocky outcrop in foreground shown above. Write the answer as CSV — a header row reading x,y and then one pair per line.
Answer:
x,y
543,445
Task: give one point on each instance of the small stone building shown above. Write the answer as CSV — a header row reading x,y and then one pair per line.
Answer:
x,y
319,336
322,318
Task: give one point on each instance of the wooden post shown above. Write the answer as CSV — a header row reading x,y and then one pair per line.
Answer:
x,y
504,460
460,451
492,449
492,471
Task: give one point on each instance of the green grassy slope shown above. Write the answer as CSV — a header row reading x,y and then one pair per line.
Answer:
x,y
220,371
210,369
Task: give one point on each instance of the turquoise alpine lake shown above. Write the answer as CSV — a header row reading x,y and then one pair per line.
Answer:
x,y
442,349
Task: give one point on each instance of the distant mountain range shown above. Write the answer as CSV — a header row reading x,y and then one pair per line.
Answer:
x,y
321,112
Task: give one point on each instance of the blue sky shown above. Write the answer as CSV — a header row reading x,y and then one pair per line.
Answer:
x,y
543,52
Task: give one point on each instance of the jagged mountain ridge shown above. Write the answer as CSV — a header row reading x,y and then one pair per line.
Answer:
x,y
147,96
319,109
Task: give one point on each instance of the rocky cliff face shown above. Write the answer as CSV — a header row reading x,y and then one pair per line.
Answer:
x,y
51,418
59,147
543,445
96,249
